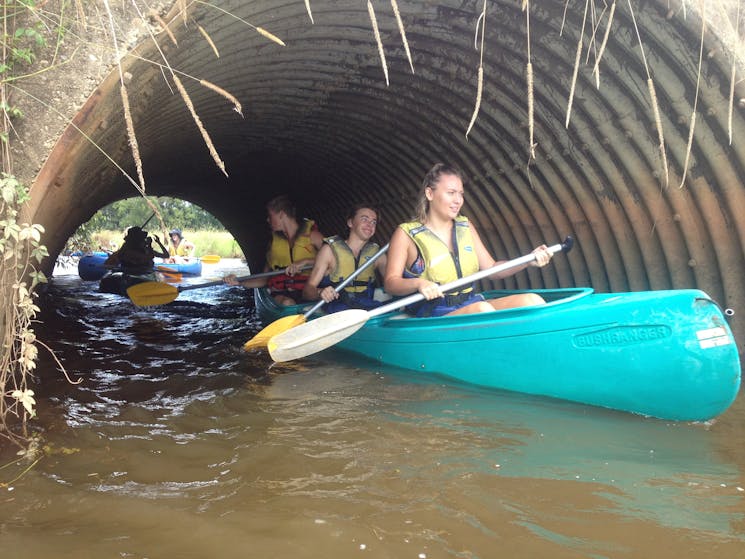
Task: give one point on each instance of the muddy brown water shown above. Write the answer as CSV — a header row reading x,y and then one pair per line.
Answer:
x,y
178,444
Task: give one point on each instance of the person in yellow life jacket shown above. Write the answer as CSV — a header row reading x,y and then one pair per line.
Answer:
x,y
179,249
339,258
293,248
439,246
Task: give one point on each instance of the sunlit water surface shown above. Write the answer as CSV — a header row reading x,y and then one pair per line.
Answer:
x,y
178,444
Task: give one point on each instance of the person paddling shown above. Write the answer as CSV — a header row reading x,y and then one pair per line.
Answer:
x,y
180,249
135,257
439,246
293,247
339,258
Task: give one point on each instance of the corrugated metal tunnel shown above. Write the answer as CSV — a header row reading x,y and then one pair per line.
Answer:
x,y
321,124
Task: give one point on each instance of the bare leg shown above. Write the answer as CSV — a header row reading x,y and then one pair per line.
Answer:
x,y
520,300
284,300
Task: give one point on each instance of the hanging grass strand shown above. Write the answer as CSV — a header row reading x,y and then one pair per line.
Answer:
x,y
402,31
695,99
576,66
596,68
219,90
477,106
134,146
658,124
307,9
207,140
209,40
480,73
270,36
164,26
653,96
376,32
529,71
529,79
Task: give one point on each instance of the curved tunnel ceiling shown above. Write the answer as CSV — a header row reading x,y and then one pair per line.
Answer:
x,y
321,124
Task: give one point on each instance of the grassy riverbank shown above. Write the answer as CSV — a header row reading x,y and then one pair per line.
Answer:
x,y
221,243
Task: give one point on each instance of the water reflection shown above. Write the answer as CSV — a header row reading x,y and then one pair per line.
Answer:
x,y
177,443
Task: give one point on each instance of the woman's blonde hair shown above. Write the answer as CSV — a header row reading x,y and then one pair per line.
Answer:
x,y
431,179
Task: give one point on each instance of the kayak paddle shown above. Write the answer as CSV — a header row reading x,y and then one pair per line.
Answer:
x,y
291,321
151,293
210,259
328,330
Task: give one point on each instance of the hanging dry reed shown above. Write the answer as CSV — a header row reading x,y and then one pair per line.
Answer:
x,y
207,140
209,40
531,126
575,71
307,9
695,99
127,112
402,31
270,36
480,73
658,124
596,69
477,106
164,26
653,96
529,79
219,90
376,32
132,138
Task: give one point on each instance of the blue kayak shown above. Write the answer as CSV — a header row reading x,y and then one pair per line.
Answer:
x,y
91,266
193,267
665,354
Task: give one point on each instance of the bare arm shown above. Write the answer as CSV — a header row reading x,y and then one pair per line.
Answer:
x,y
324,263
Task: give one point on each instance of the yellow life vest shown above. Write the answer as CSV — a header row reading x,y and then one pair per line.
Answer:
x,y
179,250
346,264
439,264
281,255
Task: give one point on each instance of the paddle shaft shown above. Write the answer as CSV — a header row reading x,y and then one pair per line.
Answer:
x,y
317,335
347,281
460,282
239,279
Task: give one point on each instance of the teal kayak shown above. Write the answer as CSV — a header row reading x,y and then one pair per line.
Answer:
x,y
665,354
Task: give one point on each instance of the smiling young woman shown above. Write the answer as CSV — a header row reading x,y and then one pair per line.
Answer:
x,y
440,245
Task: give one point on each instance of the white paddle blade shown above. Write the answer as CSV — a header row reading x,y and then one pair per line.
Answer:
x,y
316,335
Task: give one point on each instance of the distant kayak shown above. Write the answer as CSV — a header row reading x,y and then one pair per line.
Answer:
x,y
91,266
193,267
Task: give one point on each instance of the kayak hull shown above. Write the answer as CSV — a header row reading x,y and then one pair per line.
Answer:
x,y
665,354
118,282
191,268
91,266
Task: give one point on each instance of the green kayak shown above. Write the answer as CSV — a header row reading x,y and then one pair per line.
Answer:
x,y
665,354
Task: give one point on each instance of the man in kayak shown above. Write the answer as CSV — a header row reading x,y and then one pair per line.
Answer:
x,y
440,246
339,258
135,257
293,248
180,249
